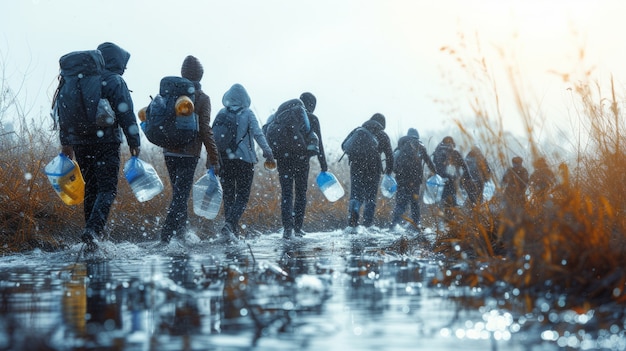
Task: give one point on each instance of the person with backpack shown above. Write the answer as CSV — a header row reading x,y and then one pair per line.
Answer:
x,y
479,174
364,146
514,184
293,132
237,127
181,161
449,165
96,147
409,158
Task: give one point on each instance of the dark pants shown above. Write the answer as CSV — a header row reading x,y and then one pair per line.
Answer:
x,y
408,194
237,176
293,175
100,165
181,171
448,199
364,182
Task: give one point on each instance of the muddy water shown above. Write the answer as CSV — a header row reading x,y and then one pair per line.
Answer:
x,y
326,291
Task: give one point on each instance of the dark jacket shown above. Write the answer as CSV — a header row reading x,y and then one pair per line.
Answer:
x,y
414,171
448,161
115,90
478,166
192,70
309,104
384,147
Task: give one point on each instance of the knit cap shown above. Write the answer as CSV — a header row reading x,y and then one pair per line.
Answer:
x,y
192,69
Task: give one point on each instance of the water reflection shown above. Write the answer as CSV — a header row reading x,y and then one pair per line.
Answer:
x,y
269,296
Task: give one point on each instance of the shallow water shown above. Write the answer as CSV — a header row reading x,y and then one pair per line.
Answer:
x,y
326,291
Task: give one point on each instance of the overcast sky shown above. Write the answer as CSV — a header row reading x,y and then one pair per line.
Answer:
x,y
358,57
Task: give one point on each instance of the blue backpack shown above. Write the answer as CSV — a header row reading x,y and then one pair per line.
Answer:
x,y
78,103
163,127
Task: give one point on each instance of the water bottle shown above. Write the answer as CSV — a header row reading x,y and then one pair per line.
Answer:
x,y
66,179
388,186
207,195
143,179
434,189
330,186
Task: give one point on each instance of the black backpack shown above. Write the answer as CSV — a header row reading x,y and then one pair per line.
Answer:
x,y
78,103
444,161
360,144
225,132
286,131
163,127
407,160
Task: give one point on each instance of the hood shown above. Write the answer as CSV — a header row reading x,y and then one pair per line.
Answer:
x,y
373,126
236,98
309,101
379,118
115,58
413,133
192,69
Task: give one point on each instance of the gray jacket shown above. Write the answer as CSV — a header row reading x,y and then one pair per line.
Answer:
x,y
237,100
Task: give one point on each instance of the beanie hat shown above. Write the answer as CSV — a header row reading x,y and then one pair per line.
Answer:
x,y
309,101
448,140
378,117
192,69
413,133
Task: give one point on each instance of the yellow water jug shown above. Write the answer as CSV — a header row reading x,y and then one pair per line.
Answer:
x,y
66,179
184,106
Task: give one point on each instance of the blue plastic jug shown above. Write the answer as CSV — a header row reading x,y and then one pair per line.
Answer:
x,y
388,186
434,189
66,179
330,186
207,195
143,179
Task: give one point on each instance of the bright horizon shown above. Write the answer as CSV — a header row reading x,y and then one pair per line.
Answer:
x,y
358,57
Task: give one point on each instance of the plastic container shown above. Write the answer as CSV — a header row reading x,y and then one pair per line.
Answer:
x,y
330,186
142,178
388,186
434,189
207,195
489,190
66,179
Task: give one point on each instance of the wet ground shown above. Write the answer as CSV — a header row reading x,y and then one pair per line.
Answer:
x,y
326,291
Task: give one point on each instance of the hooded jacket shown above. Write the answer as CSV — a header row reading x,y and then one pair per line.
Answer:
x,y
192,69
115,90
236,100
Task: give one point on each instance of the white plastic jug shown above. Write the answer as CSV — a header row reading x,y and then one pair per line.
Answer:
x,y
66,179
330,186
434,189
388,186
207,195
142,178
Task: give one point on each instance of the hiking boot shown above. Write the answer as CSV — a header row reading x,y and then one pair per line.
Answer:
x,y
287,233
90,241
228,233
299,232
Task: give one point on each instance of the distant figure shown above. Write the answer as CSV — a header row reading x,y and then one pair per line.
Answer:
x,y
541,180
238,166
409,158
514,184
366,169
479,174
97,151
449,164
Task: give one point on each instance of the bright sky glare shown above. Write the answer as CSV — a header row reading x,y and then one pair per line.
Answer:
x,y
358,57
